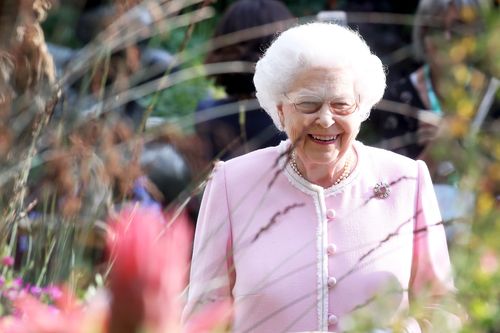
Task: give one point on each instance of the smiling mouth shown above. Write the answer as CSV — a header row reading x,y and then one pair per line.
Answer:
x,y
323,139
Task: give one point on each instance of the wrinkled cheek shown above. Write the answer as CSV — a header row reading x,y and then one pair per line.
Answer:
x,y
295,131
351,130
350,125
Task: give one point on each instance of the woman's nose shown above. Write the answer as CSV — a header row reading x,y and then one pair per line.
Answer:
x,y
325,117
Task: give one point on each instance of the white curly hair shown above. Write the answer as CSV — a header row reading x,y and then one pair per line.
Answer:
x,y
318,45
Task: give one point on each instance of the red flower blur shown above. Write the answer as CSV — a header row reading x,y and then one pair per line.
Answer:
x,y
149,270
149,254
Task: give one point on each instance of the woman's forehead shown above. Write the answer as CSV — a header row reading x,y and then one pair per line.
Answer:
x,y
322,80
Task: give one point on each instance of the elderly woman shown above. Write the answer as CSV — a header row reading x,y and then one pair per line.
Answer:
x,y
319,231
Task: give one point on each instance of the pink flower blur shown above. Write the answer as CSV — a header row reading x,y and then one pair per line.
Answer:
x,y
149,254
150,265
34,316
489,262
8,261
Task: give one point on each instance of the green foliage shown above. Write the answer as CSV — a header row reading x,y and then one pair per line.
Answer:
x,y
476,156
302,8
173,40
60,26
179,102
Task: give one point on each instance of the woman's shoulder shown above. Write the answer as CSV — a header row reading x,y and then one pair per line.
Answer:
x,y
386,160
257,162
256,166
249,173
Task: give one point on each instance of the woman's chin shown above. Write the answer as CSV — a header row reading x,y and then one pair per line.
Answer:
x,y
323,157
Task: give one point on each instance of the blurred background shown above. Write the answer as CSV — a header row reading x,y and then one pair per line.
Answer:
x,y
108,103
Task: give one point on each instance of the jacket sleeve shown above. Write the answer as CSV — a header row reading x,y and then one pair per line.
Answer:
x,y
431,279
211,265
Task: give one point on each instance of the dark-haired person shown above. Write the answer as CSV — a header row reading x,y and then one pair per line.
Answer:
x,y
241,125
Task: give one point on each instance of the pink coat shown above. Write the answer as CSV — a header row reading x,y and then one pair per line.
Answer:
x,y
294,256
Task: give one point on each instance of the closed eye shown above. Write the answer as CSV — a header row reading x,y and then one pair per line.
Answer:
x,y
308,106
343,107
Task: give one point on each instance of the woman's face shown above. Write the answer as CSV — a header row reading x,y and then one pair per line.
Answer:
x,y
323,136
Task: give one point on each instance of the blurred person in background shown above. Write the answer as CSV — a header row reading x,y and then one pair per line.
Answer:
x,y
248,127
322,233
381,23
131,63
439,27
168,168
451,82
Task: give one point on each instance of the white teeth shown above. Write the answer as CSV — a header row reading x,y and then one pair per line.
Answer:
x,y
324,138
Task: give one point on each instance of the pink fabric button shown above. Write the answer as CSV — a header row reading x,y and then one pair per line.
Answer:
x,y
331,282
330,214
332,319
331,249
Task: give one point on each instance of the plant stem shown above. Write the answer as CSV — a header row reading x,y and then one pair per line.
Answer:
x,y
46,263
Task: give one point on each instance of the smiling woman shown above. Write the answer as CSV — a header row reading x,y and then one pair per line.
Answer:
x,y
323,133
321,230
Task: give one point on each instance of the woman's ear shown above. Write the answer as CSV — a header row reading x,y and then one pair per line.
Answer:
x,y
281,116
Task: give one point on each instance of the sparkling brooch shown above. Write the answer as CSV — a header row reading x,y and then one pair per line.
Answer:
x,y
382,190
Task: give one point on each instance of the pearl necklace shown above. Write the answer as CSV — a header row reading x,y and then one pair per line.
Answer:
x,y
342,177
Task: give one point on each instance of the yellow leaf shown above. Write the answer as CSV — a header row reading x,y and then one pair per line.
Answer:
x,y
485,203
469,44
461,74
457,53
477,80
458,127
496,151
465,108
468,14
494,171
